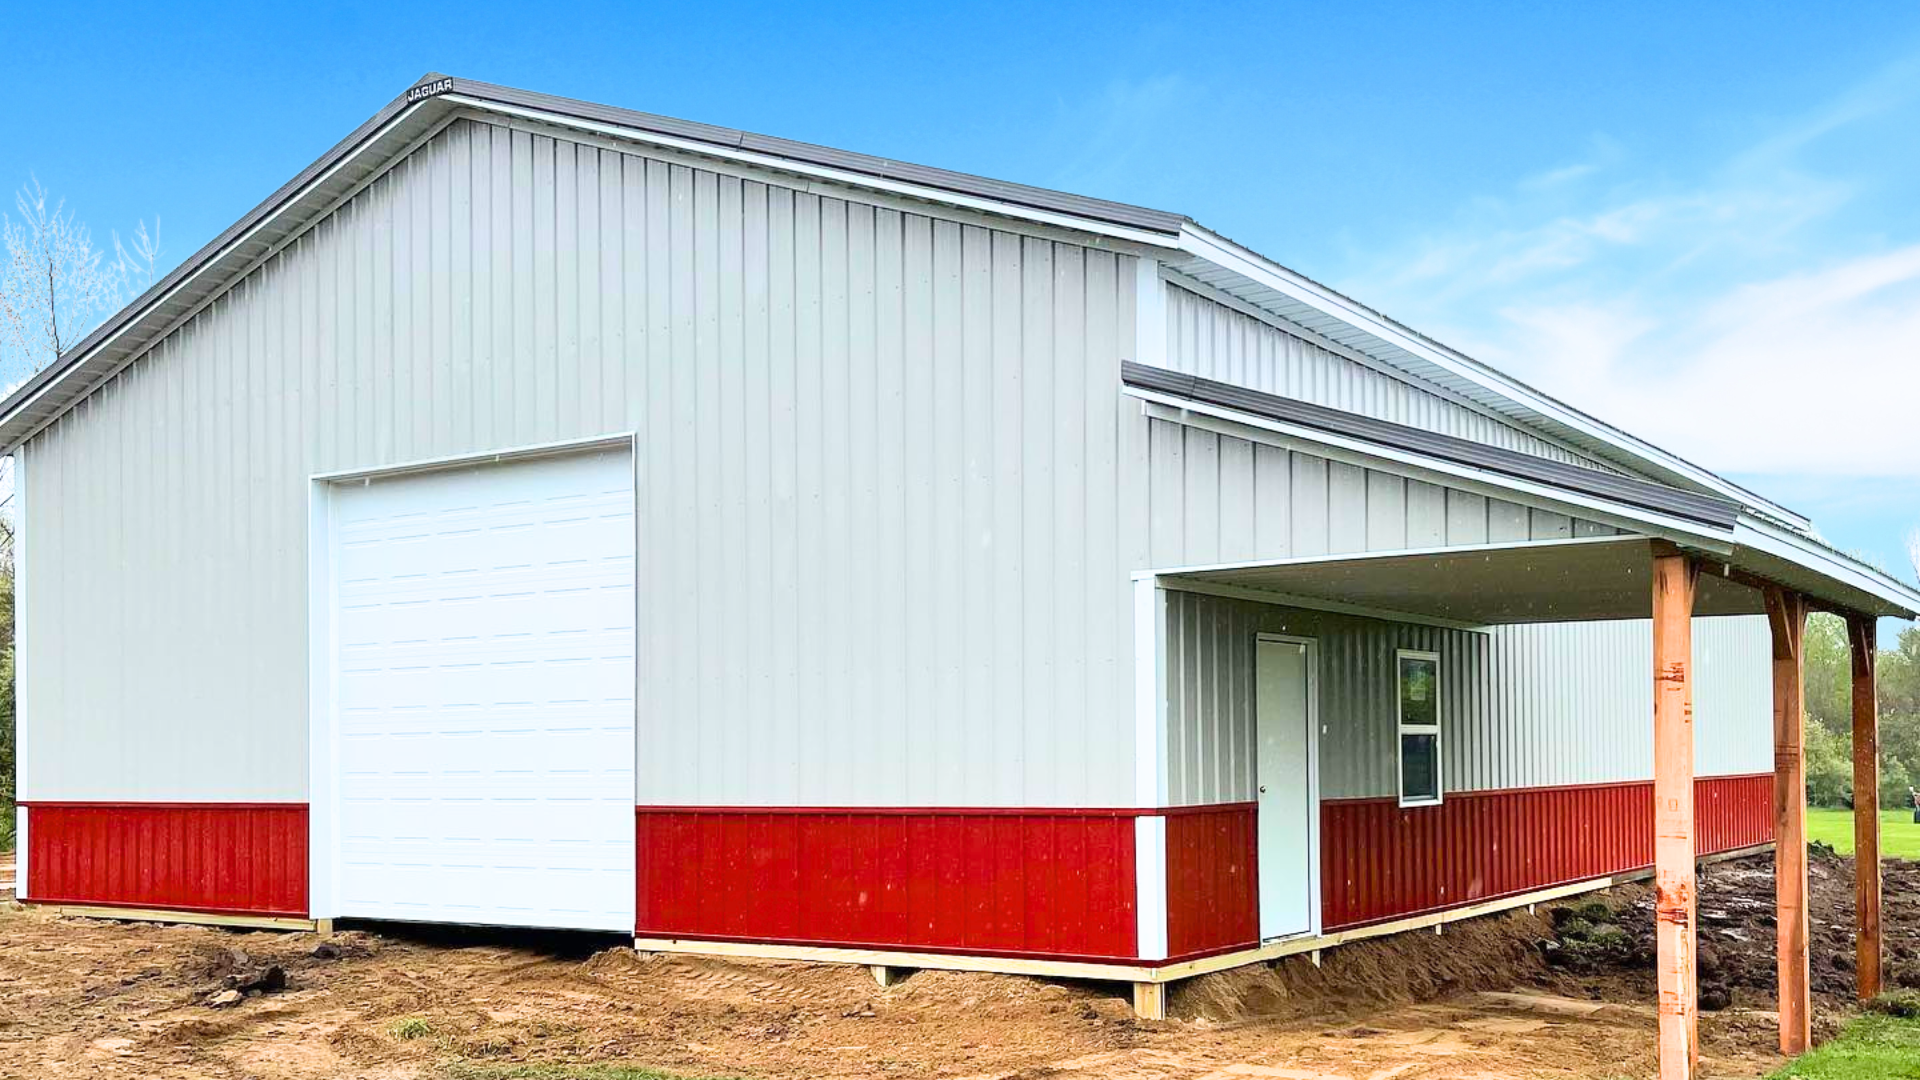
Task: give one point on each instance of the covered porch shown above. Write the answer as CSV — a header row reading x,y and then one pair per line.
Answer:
x,y
1758,570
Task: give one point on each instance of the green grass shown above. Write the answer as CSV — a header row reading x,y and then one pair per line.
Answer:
x,y
1871,1048
560,1072
410,1027
1899,836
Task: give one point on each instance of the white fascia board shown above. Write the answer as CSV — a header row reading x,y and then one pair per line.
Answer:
x,y
1231,256
1374,455
840,177
1762,535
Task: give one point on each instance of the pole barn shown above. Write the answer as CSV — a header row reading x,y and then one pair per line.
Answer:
x,y
543,514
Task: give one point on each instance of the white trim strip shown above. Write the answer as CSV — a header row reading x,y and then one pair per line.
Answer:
x,y
23,711
323,803
1150,886
1149,695
484,457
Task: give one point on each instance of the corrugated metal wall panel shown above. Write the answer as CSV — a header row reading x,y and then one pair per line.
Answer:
x,y
1214,498
1213,879
1381,861
1216,341
238,859
883,457
1526,706
1029,883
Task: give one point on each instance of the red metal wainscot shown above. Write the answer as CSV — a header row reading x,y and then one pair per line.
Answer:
x,y
1213,879
1053,883
220,858
1380,861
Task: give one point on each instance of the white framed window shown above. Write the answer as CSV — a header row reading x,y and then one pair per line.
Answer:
x,y
1417,712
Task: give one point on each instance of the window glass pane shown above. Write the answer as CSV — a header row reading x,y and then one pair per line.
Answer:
x,y
1419,767
1419,691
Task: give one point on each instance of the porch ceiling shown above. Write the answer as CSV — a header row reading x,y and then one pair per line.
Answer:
x,y
1528,582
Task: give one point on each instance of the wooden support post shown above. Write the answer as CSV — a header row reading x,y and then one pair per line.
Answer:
x,y
886,975
1866,808
1674,578
1150,1000
1787,615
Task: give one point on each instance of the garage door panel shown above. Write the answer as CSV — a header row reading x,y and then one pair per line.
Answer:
x,y
485,689
596,618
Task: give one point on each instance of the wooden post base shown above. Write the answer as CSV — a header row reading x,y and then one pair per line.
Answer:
x,y
885,975
1150,1000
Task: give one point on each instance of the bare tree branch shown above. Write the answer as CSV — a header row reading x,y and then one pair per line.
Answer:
x,y
54,285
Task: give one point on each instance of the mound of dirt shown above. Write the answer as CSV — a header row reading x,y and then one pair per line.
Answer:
x,y
1612,937
1477,954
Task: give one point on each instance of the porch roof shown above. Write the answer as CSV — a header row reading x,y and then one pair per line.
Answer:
x,y
1575,579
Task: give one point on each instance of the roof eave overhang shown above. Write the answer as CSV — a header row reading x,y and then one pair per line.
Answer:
x,y
1796,561
1255,279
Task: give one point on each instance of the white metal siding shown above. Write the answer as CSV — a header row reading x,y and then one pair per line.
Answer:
x,y
1523,706
885,545
1216,498
889,489
1216,341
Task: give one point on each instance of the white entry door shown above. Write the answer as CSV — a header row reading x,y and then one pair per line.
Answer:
x,y
483,629
1289,796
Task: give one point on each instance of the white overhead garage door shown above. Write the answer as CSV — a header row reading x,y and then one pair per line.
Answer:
x,y
484,693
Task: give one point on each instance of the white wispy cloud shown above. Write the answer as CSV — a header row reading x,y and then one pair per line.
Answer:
x,y
1774,296
1118,131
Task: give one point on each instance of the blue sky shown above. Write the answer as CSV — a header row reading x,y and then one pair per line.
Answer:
x,y
1721,200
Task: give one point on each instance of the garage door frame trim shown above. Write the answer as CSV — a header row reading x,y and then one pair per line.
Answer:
x,y
322,676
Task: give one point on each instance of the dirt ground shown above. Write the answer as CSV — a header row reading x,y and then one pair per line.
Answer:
x,y
1501,998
